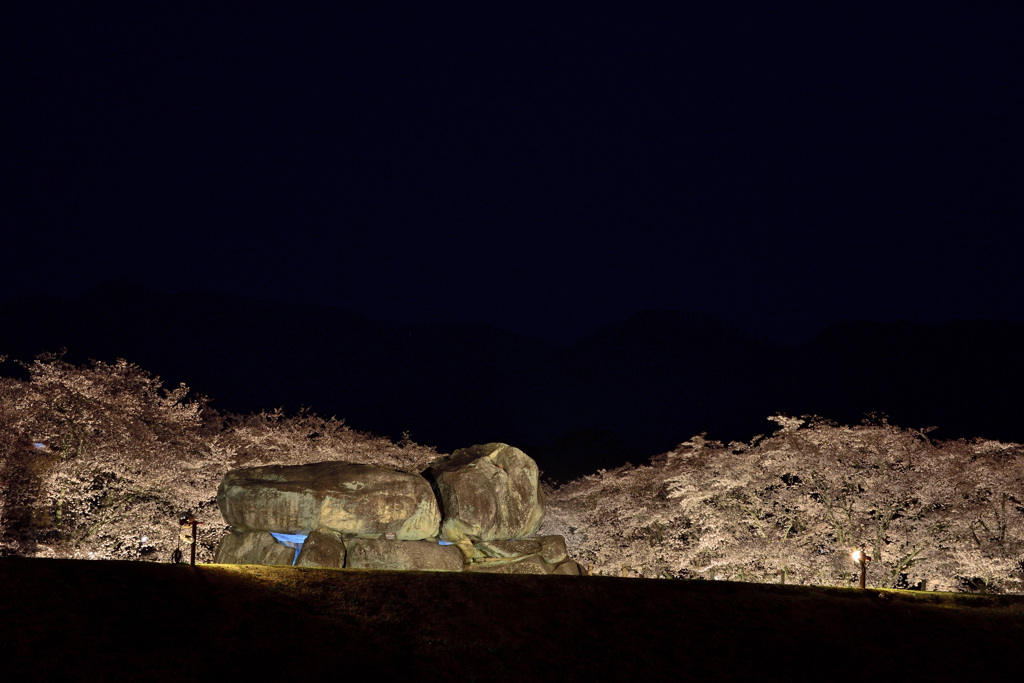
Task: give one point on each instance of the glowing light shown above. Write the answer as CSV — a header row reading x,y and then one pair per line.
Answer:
x,y
38,444
861,560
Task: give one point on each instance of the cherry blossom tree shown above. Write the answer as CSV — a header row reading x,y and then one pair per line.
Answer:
x,y
792,507
98,461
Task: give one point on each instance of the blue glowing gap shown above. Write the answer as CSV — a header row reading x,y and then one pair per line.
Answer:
x,y
291,541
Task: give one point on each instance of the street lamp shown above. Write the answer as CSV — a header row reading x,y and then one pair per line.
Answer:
x,y
861,559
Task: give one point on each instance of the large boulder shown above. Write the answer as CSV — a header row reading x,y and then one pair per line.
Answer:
x,y
242,546
322,549
550,548
342,497
488,492
366,553
531,564
568,567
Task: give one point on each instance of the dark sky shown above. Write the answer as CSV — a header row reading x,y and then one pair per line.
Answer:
x,y
544,170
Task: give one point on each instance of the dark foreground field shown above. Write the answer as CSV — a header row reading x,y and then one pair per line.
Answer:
x,y
141,621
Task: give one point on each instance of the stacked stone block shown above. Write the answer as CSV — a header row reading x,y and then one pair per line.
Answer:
x,y
479,515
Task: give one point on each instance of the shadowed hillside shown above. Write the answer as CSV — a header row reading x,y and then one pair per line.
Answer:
x,y
121,620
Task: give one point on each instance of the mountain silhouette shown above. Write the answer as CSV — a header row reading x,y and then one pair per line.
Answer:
x,y
628,391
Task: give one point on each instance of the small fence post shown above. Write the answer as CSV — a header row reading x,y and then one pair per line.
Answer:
x,y
188,519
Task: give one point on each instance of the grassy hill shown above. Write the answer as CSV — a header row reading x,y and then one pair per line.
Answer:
x,y
117,620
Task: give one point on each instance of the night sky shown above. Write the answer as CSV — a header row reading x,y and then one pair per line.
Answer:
x,y
544,170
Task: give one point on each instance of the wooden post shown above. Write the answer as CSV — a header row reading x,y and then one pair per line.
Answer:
x,y
189,520
862,559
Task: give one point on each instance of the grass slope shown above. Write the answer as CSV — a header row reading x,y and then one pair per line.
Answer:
x,y
144,621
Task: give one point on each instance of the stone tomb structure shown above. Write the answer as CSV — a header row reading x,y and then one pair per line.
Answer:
x,y
475,510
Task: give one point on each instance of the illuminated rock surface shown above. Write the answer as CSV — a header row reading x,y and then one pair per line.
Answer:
x,y
365,517
550,548
252,547
548,557
569,568
322,549
342,497
531,564
488,492
367,553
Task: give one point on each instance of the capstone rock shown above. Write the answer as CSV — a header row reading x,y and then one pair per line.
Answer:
x,y
488,492
342,497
